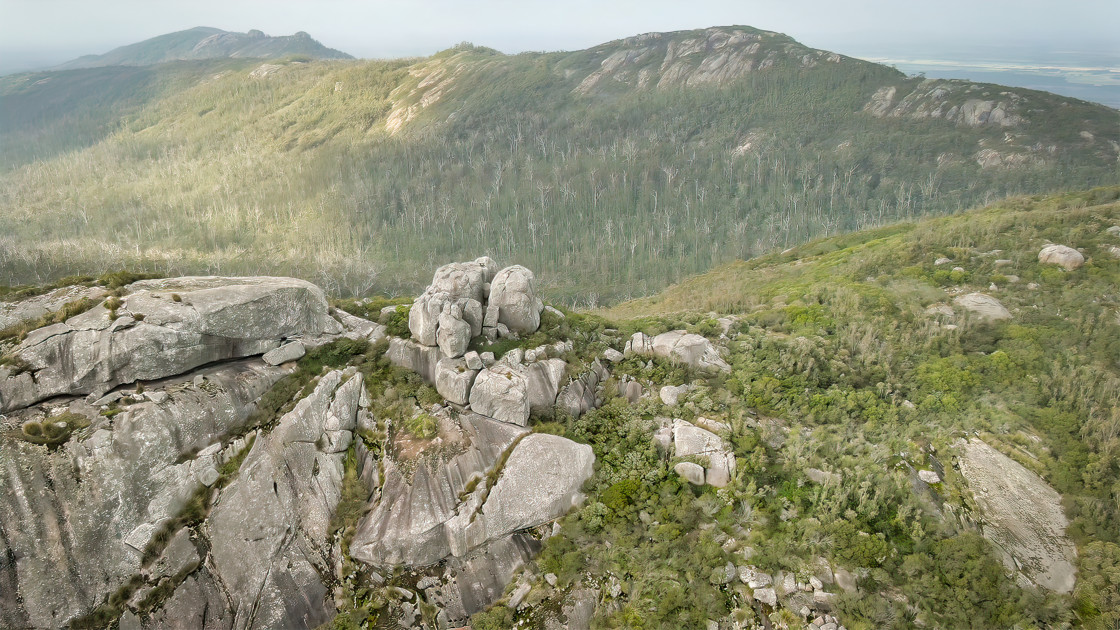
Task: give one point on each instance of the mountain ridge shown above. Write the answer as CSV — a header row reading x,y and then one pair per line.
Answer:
x,y
204,42
642,184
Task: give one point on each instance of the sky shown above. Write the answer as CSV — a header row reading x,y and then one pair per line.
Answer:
x,y
37,33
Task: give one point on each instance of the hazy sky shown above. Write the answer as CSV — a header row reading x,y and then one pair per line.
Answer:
x,y
43,32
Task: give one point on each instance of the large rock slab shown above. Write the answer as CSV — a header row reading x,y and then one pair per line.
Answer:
x,y
164,328
514,293
411,355
690,349
444,514
541,481
1022,516
678,345
544,383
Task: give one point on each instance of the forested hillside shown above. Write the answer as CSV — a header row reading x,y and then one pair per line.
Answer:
x,y
614,170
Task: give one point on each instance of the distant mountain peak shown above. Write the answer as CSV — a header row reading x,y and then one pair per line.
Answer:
x,y
204,42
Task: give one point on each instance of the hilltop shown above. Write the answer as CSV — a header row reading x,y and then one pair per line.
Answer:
x,y
615,170
907,426
206,43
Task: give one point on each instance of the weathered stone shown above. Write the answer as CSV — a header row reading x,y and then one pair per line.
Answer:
x,y
514,292
251,529
411,355
423,316
690,440
501,392
31,309
474,360
132,480
464,279
754,578
766,596
690,349
670,394
690,472
544,378
640,344
580,396
984,306
454,380
1067,258
215,319
287,352
929,476
454,333
612,355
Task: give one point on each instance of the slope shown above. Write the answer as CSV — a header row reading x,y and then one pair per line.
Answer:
x,y
616,170
885,435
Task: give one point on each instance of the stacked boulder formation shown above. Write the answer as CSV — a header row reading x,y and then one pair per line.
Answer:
x,y
471,299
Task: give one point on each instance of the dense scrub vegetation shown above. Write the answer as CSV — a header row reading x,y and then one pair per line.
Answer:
x,y
611,194
838,366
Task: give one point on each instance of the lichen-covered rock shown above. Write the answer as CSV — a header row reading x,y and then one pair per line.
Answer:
x,y
502,392
163,328
984,306
1067,258
514,292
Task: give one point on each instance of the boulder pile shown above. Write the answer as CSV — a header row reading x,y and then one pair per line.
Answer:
x,y
474,298
684,347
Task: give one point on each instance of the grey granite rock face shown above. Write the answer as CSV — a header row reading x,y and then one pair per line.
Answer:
x,y
213,319
582,394
111,486
276,512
